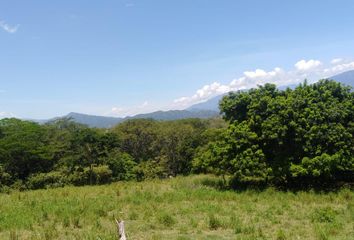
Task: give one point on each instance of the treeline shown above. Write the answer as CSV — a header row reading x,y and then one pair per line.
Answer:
x,y
63,152
268,136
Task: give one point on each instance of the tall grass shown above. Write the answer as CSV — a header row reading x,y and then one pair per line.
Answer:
x,y
179,208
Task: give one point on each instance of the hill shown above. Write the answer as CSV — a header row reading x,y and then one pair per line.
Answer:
x,y
107,122
176,114
345,78
94,121
211,104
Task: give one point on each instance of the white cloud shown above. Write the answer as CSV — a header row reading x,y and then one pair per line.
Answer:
x,y
248,80
204,93
257,73
304,65
117,109
8,28
124,112
336,60
7,115
312,70
339,68
145,104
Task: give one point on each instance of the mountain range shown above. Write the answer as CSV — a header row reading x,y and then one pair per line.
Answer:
x,y
107,122
207,109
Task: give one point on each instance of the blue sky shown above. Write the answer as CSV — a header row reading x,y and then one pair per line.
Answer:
x,y
123,57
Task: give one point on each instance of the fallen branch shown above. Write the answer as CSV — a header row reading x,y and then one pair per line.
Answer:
x,y
121,230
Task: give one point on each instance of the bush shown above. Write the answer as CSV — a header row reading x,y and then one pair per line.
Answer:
x,y
149,170
78,177
101,174
5,178
122,166
46,180
91,175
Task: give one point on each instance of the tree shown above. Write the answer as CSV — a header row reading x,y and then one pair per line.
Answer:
x,y
288,136
23,148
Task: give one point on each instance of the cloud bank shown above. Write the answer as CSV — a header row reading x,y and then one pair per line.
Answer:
x,y
7,115
304,65
8,28
124,112
312,70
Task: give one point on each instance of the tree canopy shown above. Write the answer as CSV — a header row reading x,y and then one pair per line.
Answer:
x,y
299,136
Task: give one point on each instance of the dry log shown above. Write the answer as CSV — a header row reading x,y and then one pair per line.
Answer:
x,y
121,230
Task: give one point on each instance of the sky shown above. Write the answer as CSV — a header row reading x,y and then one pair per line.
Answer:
x,y
123,57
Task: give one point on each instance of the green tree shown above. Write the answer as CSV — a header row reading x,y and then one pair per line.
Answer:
x,y
284,137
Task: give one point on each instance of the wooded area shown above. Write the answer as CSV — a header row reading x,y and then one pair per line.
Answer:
x,y
268,136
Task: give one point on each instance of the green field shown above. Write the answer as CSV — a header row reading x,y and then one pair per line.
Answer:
x,y
179,208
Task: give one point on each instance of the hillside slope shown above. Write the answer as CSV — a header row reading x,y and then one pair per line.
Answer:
x,y
107,122
345,78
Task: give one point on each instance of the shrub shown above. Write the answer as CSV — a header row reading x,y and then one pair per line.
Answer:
x,y
122,166
98,175
149,170
78,177
46,180
5,178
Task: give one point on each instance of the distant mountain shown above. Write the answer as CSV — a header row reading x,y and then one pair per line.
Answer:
x,y
176,114
94,121
207,109
107,122
345,78
213,103
209,105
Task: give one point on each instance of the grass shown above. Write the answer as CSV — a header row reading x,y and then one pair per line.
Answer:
x,y
181,208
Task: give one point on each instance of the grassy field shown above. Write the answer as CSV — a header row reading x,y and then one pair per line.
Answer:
x,y
180,208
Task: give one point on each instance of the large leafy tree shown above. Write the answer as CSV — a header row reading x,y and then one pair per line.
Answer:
x,y
305,134
23,148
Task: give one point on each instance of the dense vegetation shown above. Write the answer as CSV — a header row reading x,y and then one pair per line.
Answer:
x,y
36,156
296,137
182,208
269,136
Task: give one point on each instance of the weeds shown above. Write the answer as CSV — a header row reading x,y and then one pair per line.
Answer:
x,y
166,219
179,208
323,215
214,223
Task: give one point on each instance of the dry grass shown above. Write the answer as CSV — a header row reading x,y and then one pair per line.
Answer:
x,y
180,208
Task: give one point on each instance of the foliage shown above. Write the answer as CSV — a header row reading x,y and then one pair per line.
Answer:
x,y
268,136
122,165
62,152
299,136
46,180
